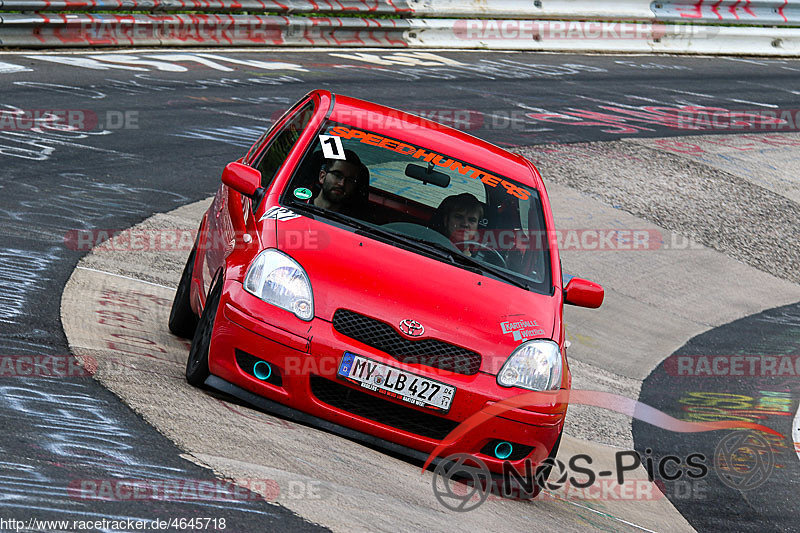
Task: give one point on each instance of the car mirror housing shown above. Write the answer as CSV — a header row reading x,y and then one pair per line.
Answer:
x,y
242,178
583,293
427,175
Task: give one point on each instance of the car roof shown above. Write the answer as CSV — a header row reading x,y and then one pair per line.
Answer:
x,y
437,137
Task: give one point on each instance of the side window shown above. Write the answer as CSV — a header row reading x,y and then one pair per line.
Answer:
x,y
273,157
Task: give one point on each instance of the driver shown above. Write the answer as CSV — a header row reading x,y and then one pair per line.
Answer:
x,y
342,183
457,219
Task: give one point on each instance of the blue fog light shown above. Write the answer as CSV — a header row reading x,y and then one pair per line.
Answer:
x,y
503,450
264,372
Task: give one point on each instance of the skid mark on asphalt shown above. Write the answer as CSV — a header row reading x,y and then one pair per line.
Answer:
x,y
21,273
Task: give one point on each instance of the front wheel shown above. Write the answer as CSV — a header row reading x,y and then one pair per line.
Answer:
x,y
182,320
197,364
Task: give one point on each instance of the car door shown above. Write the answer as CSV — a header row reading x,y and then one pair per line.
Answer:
x,y
231,215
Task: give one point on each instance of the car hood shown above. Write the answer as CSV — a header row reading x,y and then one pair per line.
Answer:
x,y
391,284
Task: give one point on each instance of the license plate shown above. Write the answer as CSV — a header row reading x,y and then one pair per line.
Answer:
x,y
396,383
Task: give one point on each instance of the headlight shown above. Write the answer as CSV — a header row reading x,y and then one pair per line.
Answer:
x,y
534,365
279,280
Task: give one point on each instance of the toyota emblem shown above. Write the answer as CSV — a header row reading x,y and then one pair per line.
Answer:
x,y
412,328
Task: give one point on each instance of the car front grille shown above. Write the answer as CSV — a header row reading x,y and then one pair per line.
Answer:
x,y
379,410
429,352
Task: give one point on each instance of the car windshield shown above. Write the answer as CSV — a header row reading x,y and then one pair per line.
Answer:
x,y
426,202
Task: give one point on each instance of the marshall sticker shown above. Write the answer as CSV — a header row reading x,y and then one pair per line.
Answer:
x,y
522,330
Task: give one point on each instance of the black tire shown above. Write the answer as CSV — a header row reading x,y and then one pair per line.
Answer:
x,y
543,472
197,363
182,320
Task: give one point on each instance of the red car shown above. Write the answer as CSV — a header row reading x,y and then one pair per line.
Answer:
x,y
383,277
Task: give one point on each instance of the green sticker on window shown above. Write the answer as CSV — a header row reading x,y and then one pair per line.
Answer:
x,y
302,193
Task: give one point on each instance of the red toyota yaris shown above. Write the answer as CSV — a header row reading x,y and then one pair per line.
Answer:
x,y
383,277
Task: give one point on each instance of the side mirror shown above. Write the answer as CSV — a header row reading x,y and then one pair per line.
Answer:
x,y
583,293
241,178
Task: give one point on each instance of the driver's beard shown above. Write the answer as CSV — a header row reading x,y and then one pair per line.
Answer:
x,y
326,193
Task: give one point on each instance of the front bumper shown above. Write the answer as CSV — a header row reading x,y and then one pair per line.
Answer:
x,y
306,364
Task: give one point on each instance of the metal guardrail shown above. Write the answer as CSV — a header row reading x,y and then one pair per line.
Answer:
x,y
680,26
756,12
72,30
378,7
64,30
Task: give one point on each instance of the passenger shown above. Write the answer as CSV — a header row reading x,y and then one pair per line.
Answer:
x,y
457,218
343,184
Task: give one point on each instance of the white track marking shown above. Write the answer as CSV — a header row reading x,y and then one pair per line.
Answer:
x,y
762,63
773,87
84,62
796,432
635,97
751,103
192,57
133,60
8,68
235,114
124,277
266,65
66,89
690,93
601,513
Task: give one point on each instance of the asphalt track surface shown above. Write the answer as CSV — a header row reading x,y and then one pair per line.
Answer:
x,y
762,399
168,124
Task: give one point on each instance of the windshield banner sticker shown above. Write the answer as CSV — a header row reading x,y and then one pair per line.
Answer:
x,y
522,329
429,157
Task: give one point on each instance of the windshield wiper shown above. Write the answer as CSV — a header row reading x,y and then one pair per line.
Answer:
x,y
482,267
418,244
